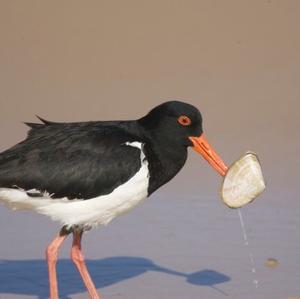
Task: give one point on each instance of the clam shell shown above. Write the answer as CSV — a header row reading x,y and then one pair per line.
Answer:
x,y
243,181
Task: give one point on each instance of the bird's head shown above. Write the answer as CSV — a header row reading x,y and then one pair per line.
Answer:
x,y
180,124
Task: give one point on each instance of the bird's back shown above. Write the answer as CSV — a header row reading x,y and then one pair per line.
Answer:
x,y
74,160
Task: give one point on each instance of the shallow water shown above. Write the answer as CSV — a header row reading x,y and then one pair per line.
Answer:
x,y
169,247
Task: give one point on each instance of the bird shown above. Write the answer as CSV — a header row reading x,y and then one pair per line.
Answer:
x,y
84,174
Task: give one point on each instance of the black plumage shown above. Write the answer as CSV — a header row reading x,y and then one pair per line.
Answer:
x,y
88,159
74,160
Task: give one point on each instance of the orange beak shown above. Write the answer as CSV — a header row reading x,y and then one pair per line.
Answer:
x,y
201,145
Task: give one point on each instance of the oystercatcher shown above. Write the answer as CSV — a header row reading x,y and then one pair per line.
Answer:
x,y
84,174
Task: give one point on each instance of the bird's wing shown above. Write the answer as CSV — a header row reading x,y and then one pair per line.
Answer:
x,y
74,160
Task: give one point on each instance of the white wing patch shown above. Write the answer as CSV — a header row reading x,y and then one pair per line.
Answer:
x,y
95,211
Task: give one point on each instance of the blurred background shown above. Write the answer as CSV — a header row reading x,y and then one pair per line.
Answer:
x,y
238,62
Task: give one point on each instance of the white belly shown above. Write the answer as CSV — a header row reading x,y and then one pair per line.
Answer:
x,y
91,212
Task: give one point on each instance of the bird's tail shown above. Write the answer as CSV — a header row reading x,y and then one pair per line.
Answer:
x,y
63,210
68,212
18,199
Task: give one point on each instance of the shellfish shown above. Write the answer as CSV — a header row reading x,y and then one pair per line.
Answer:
x,y
243,181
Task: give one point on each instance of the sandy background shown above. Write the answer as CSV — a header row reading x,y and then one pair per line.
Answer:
x,y
238,62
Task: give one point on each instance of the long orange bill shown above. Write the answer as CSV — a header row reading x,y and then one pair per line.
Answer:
x,y
201,145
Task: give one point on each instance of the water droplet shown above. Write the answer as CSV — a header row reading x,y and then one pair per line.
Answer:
x,y
246,243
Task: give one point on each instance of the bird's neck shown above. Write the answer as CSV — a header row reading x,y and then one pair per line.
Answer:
x,y
164,154
165,161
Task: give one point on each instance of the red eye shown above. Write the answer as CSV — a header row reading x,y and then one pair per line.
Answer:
x,y
184,120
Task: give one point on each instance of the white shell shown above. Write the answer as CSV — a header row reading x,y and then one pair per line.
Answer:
x,y
243,181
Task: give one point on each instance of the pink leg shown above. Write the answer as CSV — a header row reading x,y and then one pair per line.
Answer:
x,y
78,259
51,256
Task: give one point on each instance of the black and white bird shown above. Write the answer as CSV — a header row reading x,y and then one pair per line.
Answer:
x,y
85,174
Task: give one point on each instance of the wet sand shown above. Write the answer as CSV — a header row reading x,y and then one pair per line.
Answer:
x,y
173,246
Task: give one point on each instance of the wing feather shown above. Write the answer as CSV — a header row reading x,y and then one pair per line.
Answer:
x,y
74,160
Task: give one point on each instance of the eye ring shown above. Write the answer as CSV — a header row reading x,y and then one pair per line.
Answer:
x,y
184,120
